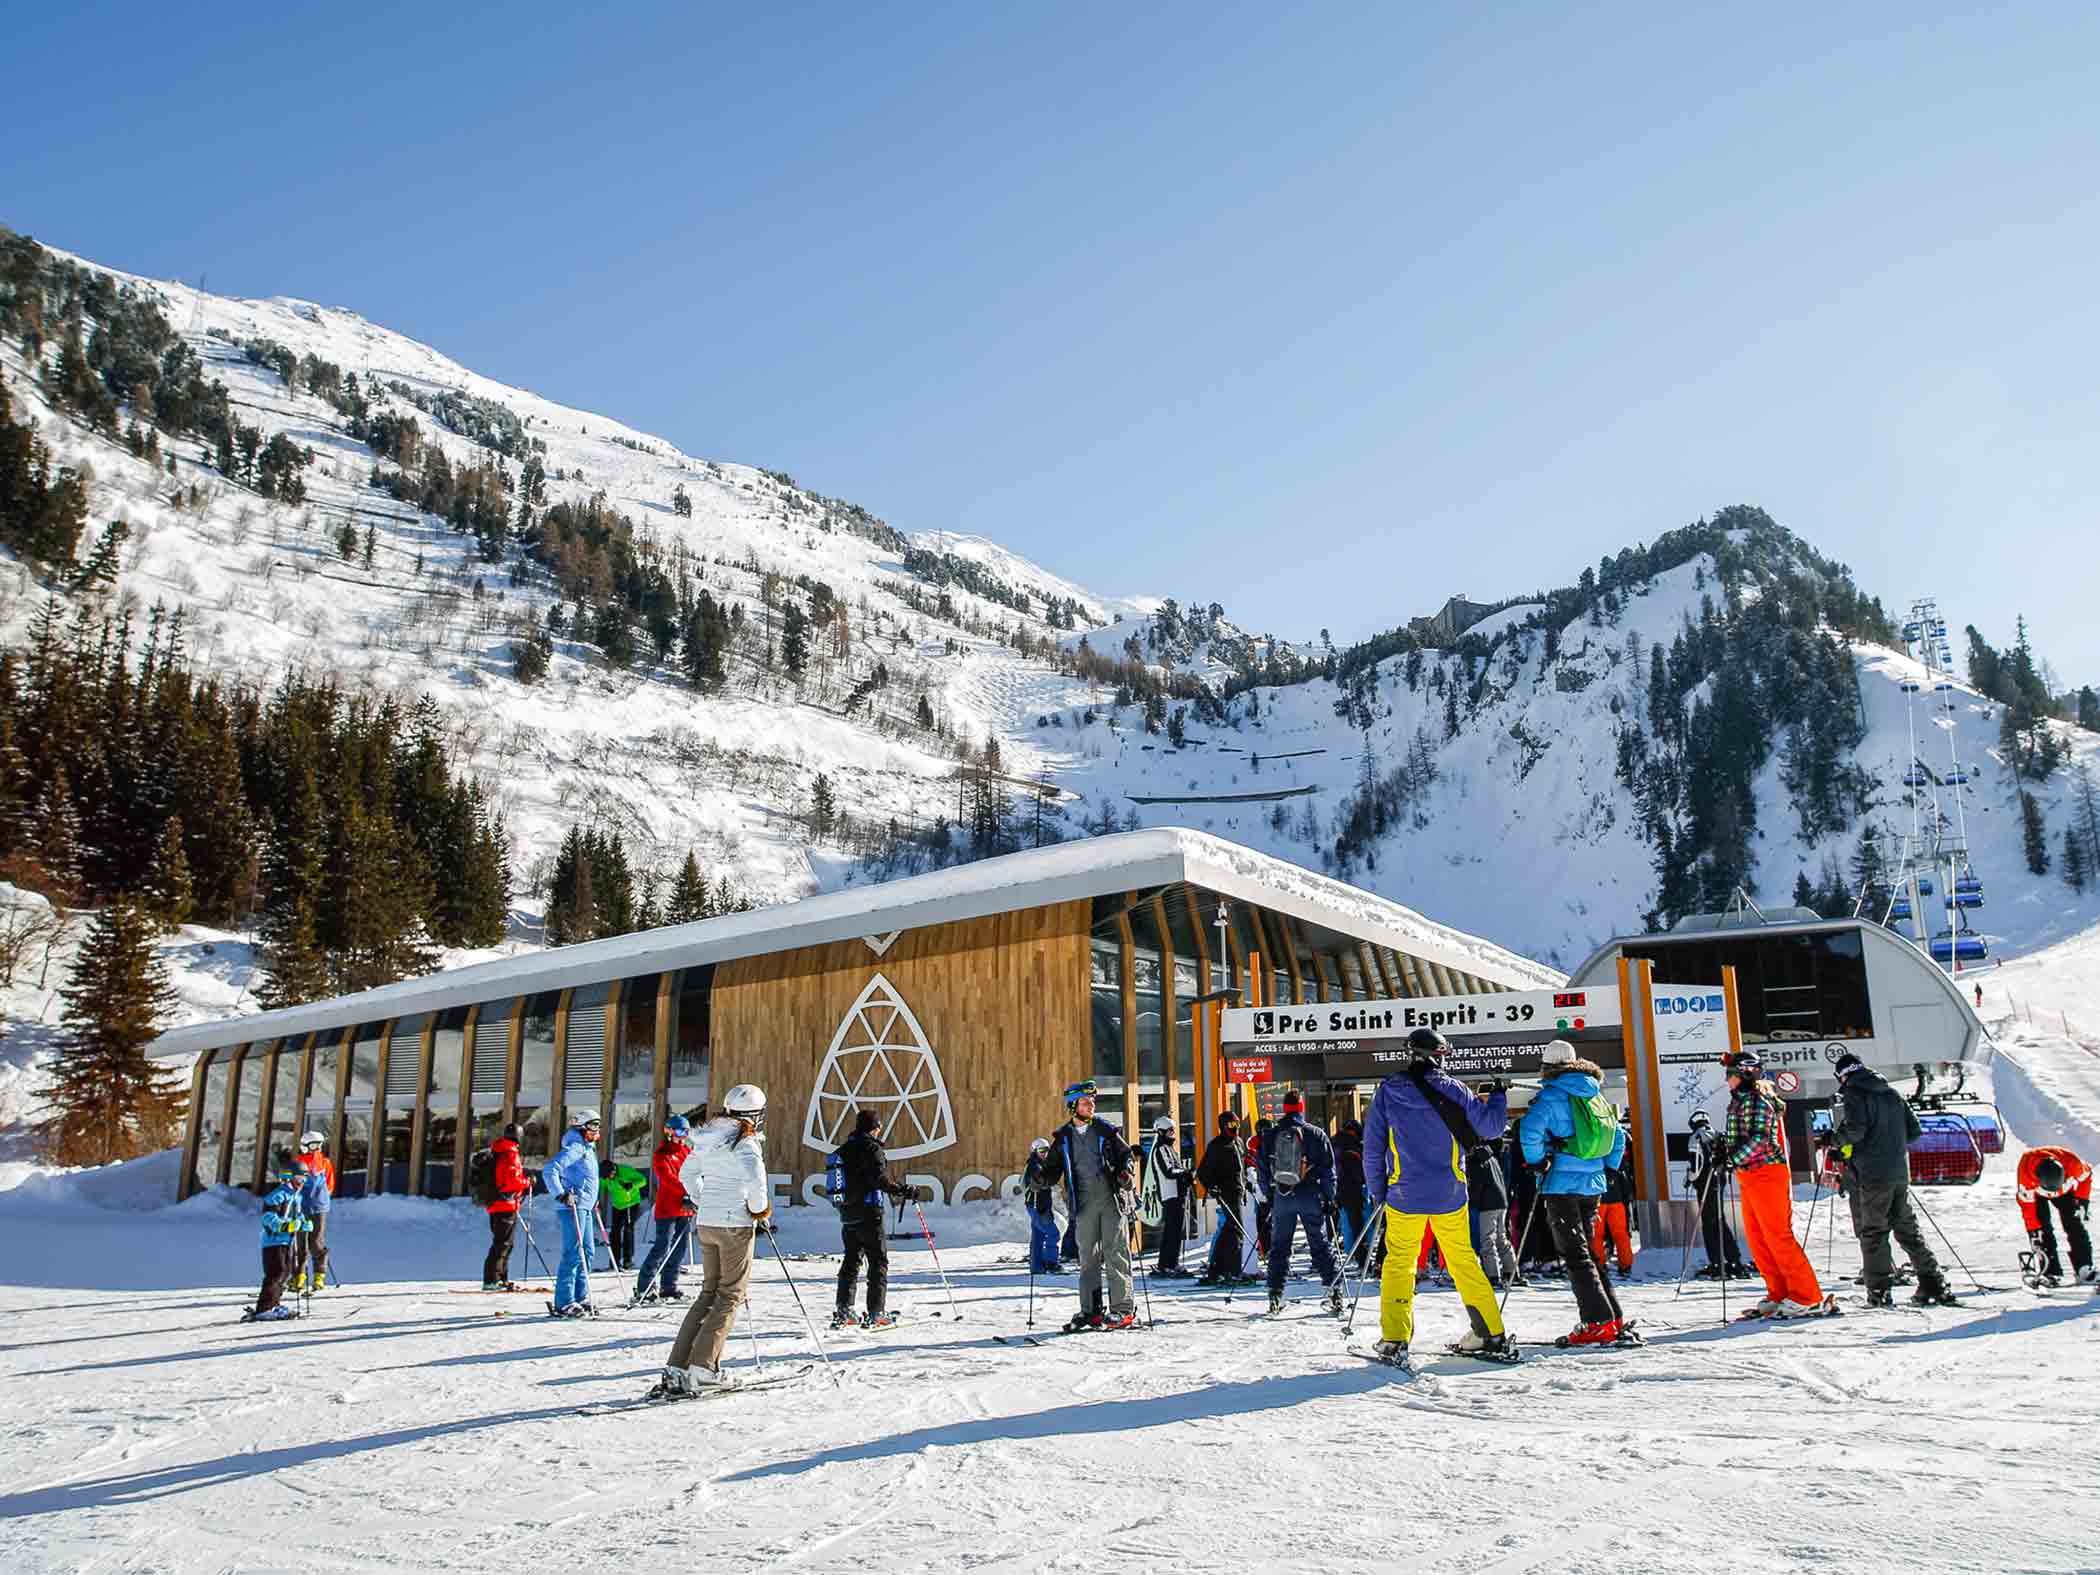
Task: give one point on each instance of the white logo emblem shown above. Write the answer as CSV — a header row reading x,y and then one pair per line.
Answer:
x,y
880,944
880,1061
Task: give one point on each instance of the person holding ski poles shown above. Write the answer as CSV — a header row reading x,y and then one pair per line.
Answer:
x,y
1167,1178
1572,1135
316,1197
1038,1197
1703,1177
673,1211
1487,1200
1297,1169
1875,1128
1090,1157
1753,1145
507,1187
2058,1176
282,1223
1422,1121
865,1182
623,1187
1223,1172
725,1177
571,1179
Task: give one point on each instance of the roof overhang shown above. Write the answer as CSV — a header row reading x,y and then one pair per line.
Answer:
x,y
1071,871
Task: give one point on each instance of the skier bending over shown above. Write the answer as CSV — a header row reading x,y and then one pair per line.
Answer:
x,y
1297,1168
725,1177
1421,1123
867,1182
1753,1145
1874,1131
1572,1135
2058,1176
571,1178
282,1223
1090,1157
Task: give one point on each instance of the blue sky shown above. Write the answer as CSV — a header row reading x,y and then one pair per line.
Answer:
x,y
1322,313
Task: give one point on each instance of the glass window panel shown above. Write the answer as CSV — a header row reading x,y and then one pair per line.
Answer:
x,y
689,1043
633,1133
397,1116
1841,986
353,1165
247,1118
536,1078
583,1064
287,1101
211,1119
320,1083
1108,1018
1148,975
634,1068
441,1104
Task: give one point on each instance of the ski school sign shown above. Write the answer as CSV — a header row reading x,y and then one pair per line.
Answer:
x,y
1498,1034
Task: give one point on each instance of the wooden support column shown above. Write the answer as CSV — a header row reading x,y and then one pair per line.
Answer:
x,y
1128,944
463,1128
1385,973
348,1037
419,1116
558,1099
513,1057
375,1166
608,1088
1203,1051
1281,923
1170,1009
659,1091
193,1124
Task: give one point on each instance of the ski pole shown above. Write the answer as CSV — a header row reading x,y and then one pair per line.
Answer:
x,y
779,1258
1145,1284
1377,1234
751,1328
927,1231
1031,1279
532,1247
1935,1224
1685,1268
1727,1197
1531,1218
1363,1231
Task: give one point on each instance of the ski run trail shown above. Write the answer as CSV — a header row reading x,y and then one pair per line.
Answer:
x,y
404,1427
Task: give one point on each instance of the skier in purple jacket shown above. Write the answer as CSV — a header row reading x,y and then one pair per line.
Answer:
x,y
1420,1125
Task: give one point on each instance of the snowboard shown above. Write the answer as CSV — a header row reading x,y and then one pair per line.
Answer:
x,y
769,1380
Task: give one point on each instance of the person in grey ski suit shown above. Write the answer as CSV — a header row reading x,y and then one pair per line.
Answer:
x,y
1874,1131
1088,1155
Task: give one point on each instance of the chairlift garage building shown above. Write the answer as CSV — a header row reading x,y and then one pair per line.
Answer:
x,y
956,1005
1810,989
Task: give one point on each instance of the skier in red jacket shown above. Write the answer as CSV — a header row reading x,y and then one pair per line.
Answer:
x,y
511,1186
2058,1176
674,1217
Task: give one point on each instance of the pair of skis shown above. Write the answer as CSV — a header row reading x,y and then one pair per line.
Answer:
x,y
1827,1308
737,1386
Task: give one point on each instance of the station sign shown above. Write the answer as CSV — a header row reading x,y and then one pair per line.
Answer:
x,y
1498,1034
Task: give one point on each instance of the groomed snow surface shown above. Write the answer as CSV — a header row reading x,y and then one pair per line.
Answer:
x,y
405,1427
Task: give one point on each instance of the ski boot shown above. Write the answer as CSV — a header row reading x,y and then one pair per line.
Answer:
x,y
1604,1332
1628,1336
1275,1304
1932,1293
1126,1320
1334,1298
1081,1322
844,1318
1487,1347
670,1296
672,1383
881,1320
1394,1354
1883,1297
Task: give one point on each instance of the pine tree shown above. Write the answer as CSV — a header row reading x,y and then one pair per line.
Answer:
x,y
2034,835
689,900
168,895
794,641
823,808
2075,868
109,1101
346,541
2085,814
54,833
1870,874
2088,709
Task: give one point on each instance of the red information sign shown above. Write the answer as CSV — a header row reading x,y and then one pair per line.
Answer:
x,y
1250,1069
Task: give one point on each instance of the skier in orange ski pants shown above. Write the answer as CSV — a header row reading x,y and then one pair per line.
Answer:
x,y
1754,1145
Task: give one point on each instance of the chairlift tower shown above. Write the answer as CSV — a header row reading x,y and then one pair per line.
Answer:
x,y
1935,862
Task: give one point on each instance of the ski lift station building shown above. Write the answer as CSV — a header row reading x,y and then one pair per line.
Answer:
x,y
1810,989
956,1005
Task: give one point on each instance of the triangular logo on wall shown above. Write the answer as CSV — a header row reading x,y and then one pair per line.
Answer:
x,y
879,1060
881,944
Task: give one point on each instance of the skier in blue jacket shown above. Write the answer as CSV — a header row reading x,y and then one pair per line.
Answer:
x,y
571,1179
1573,1185
282,1221
1420,1125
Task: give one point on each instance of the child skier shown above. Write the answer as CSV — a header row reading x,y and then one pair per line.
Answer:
x,y
1039,1197
317,1195
674,1216
2058,1176
1421,1124
282,1222
1753,1145
1575,1138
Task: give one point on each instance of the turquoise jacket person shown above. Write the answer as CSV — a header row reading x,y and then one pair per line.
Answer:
x,y
282,1217
1549,1118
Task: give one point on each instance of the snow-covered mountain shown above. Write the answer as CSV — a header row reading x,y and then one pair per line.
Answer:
x,y
1518,823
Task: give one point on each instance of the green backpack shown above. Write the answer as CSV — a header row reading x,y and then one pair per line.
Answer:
x,y
1596,1123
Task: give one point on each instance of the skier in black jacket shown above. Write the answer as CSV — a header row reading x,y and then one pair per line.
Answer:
x,y
1724,1258
1874,1131
1223,1173
1349,1191
867,1183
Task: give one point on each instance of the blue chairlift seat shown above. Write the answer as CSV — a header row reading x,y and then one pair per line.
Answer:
x,y
1899,909
1915,777
1958,948
1925,885
1910,686
1969,883
1943,686
1956,778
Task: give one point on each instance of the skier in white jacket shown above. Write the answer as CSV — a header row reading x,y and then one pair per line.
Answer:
x,y
725,1180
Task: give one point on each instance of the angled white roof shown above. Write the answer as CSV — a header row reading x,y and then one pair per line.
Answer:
x,y
1097,867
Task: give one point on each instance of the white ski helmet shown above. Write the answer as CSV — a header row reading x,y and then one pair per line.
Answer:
x,y
312,1142
584,1118
746,1102
1163,1124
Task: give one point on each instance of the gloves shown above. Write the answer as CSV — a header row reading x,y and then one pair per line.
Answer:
x,y
1493,1086
566,1200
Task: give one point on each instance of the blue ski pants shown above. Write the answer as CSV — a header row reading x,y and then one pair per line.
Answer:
x,y
1292,1209
1042,1241
666,1252
572,1281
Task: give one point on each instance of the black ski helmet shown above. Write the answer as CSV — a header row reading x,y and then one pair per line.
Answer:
x,y
1427,1041
2049,1175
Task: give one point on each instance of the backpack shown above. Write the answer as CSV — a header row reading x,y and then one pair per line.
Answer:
x,y
1596,1124
1286,1155
835,1179
481,1176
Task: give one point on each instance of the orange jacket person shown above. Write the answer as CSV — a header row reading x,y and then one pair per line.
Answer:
x,y
2058,1176
1754,1146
